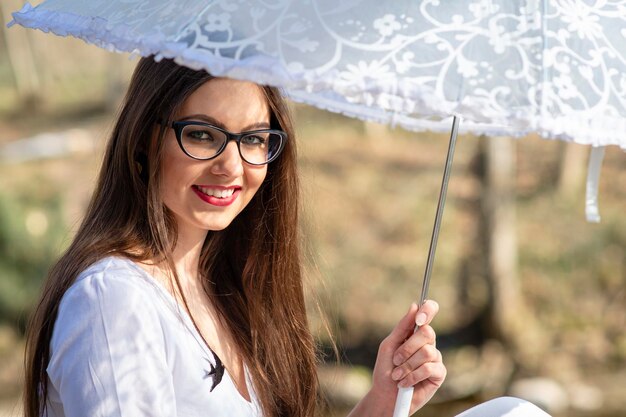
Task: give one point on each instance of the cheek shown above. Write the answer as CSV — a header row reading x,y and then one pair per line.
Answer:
x,y
174,171
168,170
256,177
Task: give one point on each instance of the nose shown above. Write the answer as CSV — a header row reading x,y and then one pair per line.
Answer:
x,y
229,162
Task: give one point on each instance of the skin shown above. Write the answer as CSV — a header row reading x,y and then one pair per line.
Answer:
x,y
413,356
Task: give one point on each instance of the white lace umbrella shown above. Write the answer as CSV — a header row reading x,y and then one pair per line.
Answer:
x,y
508,67
554,67
557,68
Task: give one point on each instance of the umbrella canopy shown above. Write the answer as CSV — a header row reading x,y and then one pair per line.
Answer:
x,y
509,68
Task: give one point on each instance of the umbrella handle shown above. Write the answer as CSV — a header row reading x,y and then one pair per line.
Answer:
x,y
405,395
403,402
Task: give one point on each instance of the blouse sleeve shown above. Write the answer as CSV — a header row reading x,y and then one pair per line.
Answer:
x,y
108,355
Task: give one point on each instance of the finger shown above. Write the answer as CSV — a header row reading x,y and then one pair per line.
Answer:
x,y
434,372
424,335
405,326
428,353
427,312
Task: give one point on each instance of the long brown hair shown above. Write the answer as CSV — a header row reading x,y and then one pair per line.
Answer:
x,y
255,262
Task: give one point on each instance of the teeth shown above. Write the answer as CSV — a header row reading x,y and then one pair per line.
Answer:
x,y
217,193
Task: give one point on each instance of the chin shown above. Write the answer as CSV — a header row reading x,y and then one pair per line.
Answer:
x,y
217,226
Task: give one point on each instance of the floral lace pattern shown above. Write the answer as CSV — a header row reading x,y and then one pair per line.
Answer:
x,y
556,67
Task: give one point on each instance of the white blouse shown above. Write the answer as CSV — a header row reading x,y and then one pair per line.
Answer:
x,y
122,346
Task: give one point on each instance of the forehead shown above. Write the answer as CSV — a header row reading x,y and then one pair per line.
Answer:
x,y
234,104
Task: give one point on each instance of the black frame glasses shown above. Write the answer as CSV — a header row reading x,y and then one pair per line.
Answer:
x,y
237,137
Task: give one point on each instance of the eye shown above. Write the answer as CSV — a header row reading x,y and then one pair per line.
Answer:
x,y
254,140
200,135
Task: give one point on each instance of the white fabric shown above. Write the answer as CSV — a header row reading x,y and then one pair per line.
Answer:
x,y
122,346
505,407
592,211
554,67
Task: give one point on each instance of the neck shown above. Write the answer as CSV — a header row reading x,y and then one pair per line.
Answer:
x,y
186,254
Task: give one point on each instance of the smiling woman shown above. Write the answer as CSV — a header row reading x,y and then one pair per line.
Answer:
x,y
181,293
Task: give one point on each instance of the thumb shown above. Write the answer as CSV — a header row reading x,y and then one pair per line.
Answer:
x,y
405,326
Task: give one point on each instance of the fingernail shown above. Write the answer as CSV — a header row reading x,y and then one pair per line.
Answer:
x,y
421,318
396,374
402,384
397,360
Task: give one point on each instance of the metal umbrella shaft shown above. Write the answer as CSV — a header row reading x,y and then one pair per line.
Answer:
x,y
403,399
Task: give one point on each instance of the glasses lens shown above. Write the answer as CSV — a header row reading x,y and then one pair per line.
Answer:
x,y
202,141
261,147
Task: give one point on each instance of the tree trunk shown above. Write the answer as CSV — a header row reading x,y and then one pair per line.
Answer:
x,y
510,319
573,169
499,219
116,81
21,58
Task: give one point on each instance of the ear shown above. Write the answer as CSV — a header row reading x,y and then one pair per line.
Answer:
x,y
141,154
141,165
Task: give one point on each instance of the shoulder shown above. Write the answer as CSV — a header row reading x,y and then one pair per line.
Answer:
x,y
112,270
112,290
110,279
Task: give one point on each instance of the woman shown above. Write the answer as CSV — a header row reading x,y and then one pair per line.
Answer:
x,y
181,293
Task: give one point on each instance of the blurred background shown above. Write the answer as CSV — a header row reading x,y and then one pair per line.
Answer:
x,y
533,298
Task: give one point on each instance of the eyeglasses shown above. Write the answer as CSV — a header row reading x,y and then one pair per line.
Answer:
x,y
204,141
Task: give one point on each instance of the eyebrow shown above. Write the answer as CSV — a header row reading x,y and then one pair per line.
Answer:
x,y
214,122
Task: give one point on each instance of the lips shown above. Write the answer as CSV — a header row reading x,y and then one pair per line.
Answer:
x,y
217,195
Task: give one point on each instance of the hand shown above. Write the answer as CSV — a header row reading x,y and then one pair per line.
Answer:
x,y
406,359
